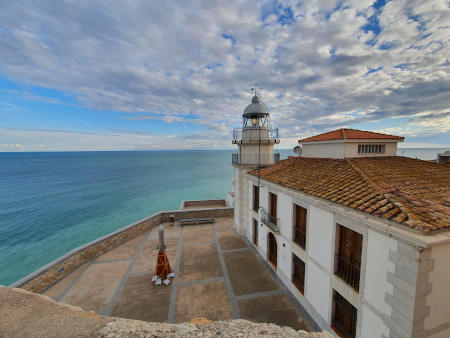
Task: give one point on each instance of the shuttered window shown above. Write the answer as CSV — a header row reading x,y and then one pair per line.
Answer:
x,y
300,225
370,149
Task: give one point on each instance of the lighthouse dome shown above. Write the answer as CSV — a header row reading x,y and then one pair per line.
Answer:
x,y
255,108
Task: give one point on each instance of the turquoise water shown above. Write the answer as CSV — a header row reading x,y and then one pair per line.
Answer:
x,y
51,203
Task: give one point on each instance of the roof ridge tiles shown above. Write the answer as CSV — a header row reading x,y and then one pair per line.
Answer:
x,y
350,134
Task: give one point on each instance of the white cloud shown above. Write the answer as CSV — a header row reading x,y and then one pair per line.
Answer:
x,y
172,58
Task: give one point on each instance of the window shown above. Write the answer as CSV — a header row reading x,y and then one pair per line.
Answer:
x,y
348,257
344,316
298,273
370,149
255,232
300,225
273,208
255,198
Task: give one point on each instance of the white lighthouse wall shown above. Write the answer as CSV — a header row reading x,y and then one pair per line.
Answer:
x,y
241,200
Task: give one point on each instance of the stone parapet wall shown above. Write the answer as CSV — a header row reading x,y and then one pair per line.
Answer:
x,y
43,278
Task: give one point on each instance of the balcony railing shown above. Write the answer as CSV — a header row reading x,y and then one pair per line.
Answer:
x,y
300,237
347,271
269,220
256,133
255,159
345,317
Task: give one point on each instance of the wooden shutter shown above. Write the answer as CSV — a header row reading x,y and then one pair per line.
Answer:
x,y
273,205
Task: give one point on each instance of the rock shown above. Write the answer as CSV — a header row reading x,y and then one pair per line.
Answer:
x,y
26,314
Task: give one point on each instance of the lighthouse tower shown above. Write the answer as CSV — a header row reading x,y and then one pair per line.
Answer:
x,y
255,141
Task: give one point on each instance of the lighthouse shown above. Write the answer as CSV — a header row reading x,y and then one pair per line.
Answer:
x,y
255,142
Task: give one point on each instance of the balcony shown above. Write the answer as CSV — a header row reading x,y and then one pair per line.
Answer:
x,y
255,159
255,135
300,237
347,271
269,220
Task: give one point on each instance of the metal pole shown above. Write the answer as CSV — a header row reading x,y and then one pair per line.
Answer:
x,y
161,246
259,159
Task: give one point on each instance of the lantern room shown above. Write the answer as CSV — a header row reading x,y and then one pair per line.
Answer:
x,y
256,114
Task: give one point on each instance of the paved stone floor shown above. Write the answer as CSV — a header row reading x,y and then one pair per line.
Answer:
x,y
218,275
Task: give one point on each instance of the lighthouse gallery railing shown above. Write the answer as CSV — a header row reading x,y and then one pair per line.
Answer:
x,y
255,159
272,133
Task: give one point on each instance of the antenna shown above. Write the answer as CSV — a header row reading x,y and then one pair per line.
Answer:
x,y
257,90
298,150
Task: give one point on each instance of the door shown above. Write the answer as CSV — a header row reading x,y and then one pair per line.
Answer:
x,y
272,249
255,232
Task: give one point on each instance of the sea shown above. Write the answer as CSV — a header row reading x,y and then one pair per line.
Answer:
x,y
53,202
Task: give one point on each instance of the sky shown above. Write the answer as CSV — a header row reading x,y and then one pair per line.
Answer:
x,y
141,75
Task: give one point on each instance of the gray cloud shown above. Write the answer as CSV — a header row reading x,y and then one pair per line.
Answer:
x,y
172,59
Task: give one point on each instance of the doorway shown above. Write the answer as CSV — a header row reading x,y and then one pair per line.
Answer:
x,y
272,254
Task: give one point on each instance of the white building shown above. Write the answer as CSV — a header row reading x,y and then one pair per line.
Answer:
x,y
357,234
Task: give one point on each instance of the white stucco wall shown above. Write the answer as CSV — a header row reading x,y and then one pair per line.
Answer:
x,y
321,230
262,240
372,325
377,267
285,215
341,149
264,197
334,150
317,289
284,258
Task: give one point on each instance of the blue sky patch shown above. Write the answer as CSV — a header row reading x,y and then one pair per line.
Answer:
x,y
229,37
373,70
402,66
285,15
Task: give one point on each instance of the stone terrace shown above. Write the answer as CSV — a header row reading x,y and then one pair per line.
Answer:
x,y
219,275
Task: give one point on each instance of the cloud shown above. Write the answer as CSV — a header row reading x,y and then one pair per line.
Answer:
x,y
322,64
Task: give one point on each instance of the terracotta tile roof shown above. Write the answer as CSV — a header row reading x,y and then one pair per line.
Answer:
x,y
408,191
350,134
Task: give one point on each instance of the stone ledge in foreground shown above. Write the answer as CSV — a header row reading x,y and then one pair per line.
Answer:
x,y
26,314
